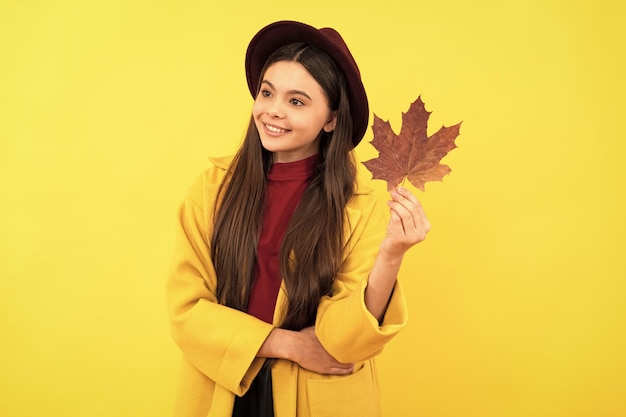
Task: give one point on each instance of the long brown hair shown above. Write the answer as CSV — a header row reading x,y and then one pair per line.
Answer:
x,y
311,252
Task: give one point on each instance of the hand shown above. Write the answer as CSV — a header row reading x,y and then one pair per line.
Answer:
x,y
408,224
311,355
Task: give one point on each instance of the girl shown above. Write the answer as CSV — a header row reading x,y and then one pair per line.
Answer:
x,y
283,288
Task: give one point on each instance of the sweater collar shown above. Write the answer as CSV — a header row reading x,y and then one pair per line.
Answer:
x,y
297,169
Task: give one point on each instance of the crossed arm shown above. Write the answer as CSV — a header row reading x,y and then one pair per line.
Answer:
x,y
407,226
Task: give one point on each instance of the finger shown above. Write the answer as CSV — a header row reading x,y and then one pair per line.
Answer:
x,y
396,228
408,195
414,204
405,197
405,215
396,223
426,225
342,370
414,224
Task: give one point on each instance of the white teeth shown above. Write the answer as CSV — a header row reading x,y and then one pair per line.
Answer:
x,y
275,129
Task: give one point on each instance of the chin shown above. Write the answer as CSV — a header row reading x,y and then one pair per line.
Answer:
x,y
268,147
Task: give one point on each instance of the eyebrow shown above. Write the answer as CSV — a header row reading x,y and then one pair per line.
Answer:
x,y
289,92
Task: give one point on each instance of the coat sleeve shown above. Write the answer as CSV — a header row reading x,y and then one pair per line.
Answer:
x,y
344,325
219,341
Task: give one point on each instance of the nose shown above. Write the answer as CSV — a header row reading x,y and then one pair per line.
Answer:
x,y
274,109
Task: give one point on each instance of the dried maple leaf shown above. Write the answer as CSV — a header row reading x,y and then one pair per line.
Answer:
x,y
411,154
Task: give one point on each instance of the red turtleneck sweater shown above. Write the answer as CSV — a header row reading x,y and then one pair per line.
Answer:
x,y
286,183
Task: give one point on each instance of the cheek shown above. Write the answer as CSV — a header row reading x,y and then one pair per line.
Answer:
x,y
256,109
320,120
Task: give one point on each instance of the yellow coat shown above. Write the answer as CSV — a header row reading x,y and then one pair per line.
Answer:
x,y
219,344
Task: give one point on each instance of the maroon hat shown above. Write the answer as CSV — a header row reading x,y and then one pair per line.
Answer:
x,y
278,34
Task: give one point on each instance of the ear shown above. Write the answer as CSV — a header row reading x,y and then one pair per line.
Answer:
x,y
331,123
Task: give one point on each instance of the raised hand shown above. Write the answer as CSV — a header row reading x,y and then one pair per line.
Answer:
x,y
408,224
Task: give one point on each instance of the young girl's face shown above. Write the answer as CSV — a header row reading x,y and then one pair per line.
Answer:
x,y
290,111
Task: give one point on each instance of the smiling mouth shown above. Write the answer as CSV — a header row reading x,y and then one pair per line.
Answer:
x,y
275,129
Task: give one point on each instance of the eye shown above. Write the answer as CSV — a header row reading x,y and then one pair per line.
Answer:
x,y
265,93
296,102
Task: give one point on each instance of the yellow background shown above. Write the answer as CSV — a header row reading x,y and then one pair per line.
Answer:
x,y
108,109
